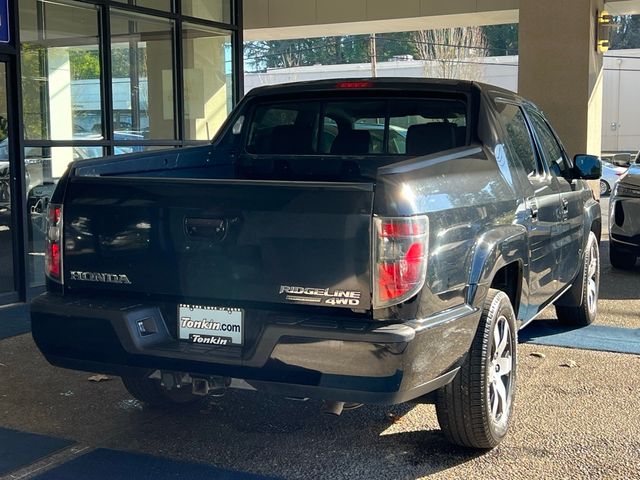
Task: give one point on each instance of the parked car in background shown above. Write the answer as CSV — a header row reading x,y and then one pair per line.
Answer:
x,y
5,189
610,175
311,252
624,219
619,159
4,150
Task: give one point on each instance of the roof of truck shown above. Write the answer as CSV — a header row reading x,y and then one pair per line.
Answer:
x,y
385,83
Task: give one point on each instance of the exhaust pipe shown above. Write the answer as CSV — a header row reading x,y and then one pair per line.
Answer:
x,y
332,408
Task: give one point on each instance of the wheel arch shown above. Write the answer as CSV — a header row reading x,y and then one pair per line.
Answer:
x,y
592,223
573,296
592,220
499,261
509,280
596,228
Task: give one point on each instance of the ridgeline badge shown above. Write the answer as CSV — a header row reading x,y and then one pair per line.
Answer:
x,y
325,296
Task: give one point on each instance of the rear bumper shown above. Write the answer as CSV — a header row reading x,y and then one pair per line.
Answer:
x,y
326,358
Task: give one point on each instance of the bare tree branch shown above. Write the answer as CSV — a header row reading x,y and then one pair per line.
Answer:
x,y
446,51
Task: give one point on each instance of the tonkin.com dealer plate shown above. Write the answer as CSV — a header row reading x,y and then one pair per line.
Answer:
x,y
210,325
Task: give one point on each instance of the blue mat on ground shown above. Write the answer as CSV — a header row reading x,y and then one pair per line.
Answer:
x,y
104,464
592,337
14,321
20,449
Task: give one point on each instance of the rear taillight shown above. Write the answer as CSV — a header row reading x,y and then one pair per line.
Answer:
x,y
53,251
400,263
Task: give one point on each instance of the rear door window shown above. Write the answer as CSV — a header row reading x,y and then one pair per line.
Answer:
x,y
552,153
519,137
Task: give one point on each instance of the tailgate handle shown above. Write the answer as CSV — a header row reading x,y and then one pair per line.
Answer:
x,y
207,228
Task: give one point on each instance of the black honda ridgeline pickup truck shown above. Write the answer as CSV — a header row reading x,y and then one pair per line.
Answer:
x,y
372,241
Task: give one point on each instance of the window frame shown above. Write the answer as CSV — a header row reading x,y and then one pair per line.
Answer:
x,y
175,16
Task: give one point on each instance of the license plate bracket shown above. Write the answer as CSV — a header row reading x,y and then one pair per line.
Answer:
x,y
209,325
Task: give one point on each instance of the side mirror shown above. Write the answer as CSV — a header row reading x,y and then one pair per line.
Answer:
x,y
587,167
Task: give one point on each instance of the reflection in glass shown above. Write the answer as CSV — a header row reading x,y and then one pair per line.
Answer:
x,y
124,149
519,137
142,70
215,10
6,224
207,80
164,5
60,70
43,168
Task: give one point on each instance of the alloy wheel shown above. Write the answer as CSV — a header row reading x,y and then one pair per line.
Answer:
x,y
604,187
500,388
593,278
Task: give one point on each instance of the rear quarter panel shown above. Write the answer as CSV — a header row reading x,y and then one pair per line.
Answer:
x,y
472,204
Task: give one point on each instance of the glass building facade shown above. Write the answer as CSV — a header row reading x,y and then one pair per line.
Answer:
x,y
86,79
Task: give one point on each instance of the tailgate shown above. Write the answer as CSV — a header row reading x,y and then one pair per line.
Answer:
x,y
220,241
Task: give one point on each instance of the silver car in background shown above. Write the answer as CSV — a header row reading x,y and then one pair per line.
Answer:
x,y
610,175
624,219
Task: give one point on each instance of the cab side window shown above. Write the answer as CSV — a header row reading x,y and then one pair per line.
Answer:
x,y
519,137
551,151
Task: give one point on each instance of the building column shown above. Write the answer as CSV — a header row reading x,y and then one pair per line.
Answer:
x,y
206,86
160,90
560,69
60,106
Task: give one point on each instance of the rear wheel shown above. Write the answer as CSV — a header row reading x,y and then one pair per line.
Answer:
x,y
621,259
604,187
474,410
585,313
149,391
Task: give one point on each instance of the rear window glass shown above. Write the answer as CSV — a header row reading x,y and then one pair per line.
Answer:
x,y
358,127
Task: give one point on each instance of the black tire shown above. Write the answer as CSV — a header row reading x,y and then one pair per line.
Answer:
x,y
464,406
605,189
620,259
149,391
585,313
